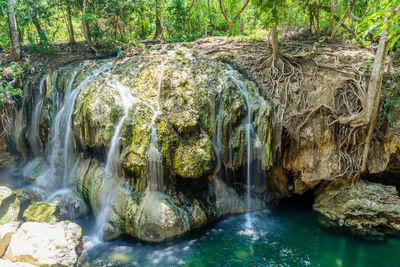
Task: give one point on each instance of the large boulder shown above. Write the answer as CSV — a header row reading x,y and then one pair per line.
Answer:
x,y
9,205
46,244
158,218
6,231
363,207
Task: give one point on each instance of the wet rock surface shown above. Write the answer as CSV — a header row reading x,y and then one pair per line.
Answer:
x,y
9,205
184,119
365,208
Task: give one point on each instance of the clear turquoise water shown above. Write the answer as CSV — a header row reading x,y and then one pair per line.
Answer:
x,y
284,236
288,235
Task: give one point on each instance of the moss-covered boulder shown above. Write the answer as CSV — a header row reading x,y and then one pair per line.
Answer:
x,y
365,208
9,205
43,212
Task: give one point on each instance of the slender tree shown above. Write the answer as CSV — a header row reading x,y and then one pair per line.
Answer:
x,y
186,14
375,84
159,30
70,26
12,23
332,16
242,19
86,28
35,20
230,22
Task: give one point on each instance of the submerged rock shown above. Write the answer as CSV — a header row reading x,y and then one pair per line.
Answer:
x,y
9,205
46,244
365,208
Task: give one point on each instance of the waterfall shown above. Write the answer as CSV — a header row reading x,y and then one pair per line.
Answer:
x,y
60,174
249,127
34,131
154,165
109,183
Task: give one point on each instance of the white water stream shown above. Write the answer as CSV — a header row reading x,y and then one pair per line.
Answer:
x,y
109,182
249,127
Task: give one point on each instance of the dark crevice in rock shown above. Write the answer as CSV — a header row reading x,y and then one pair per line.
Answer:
x,y
386,178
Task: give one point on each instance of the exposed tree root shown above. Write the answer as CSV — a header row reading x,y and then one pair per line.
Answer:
x,y
296,113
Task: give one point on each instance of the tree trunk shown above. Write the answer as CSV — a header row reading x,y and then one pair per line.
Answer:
x,y
374,93
86,29
12,24
35,22
70,27
242,19
230,22
142,26
344,26
122,22
274,43
209,12
85,25
158,20
21,35
186,14
317,20
310,16
332,16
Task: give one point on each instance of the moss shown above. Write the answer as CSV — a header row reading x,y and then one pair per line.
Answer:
x,y
227,58
9,205
195,159
42,212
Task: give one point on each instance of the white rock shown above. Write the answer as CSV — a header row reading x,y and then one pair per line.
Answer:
x,y
6,231
46,244
7,263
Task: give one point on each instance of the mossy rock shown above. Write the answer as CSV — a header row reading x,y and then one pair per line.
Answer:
x,y
195,159
9,205
185,122
42,212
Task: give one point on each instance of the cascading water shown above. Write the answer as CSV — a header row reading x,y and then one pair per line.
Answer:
x,y
34,140
57,179
34,131
109,182
249,127
154,169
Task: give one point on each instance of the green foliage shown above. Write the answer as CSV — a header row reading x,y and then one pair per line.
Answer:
x,y
7,91
113,22
391,101
271,11
382,16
